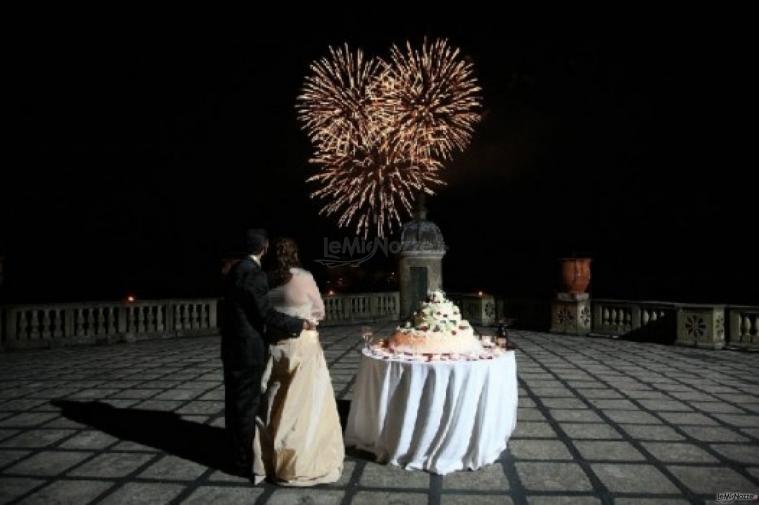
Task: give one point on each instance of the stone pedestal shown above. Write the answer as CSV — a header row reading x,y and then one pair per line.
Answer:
x,y
701,326
420,261
570,314
479,309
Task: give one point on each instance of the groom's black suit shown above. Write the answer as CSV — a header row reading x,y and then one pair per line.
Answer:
x,y
247,315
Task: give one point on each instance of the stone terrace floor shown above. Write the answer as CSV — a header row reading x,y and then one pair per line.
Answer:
x,y
600,421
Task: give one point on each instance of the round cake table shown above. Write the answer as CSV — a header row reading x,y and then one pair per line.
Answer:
x,y
438,416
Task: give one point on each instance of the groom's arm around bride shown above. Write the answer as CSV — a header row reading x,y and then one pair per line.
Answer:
x,y
247,316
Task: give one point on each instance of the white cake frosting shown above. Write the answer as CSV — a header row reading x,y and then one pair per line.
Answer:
x,y
436,328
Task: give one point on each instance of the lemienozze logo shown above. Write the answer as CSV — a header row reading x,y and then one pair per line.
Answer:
x,y
732,497
352,251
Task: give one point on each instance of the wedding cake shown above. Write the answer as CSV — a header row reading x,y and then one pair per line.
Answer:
x,y
436,328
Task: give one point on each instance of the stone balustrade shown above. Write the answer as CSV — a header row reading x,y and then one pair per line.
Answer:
x,y
700,325
361,307
622,317
37,326
34,326
743,327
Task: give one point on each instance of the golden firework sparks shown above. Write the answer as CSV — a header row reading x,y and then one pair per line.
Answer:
x,y
381,130
432,96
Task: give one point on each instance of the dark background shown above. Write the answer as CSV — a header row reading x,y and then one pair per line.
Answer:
x,y
143,154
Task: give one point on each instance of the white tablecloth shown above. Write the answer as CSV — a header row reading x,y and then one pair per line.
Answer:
x,y
438,416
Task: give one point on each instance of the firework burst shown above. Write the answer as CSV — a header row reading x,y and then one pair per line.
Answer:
x,y
432,97
382,129
335,106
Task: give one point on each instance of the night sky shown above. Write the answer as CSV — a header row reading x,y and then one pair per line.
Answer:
x,y
142,157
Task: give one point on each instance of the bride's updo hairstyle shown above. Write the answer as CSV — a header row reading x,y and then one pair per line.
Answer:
x,y
284,258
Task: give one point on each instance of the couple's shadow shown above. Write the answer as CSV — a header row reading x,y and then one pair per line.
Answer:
x,y
166,431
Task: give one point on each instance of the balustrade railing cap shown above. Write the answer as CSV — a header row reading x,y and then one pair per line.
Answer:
x,y
634,302
702,305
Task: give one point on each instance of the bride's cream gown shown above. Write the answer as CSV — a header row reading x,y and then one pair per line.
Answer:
x,y
300,441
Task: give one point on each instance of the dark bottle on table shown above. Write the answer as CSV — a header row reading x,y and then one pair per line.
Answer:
x,y
502,336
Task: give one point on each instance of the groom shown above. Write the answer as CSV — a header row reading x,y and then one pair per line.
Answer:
x,y
246,318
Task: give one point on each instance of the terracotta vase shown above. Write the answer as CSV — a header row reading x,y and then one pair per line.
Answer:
x,y
575,275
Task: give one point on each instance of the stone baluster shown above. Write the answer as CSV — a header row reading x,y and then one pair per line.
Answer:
x,y
79,327
178,317
204,322
23,326
111,316
194,320
746,329
160,324
131,326
170,316
90,322
345,308
34,327
100,323
597,321
46,324
213,315
58,323
141,330
375,306
143,318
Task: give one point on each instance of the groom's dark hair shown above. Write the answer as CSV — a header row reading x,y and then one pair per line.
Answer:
x,y
255,240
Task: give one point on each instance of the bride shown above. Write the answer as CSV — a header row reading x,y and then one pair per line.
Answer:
x,y
299,442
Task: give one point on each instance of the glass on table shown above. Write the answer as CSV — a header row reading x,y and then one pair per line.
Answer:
x,y
367,334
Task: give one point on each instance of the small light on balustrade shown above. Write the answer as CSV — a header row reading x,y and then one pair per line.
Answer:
x,y
331,292
131,299
480,293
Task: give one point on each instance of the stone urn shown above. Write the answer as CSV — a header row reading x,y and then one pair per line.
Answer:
x,y
575,275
